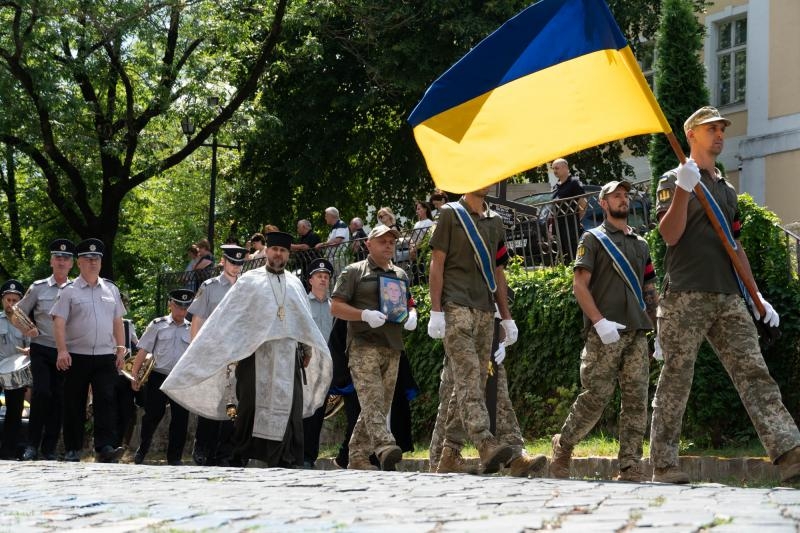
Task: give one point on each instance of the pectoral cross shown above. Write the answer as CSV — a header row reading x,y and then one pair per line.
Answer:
x,y
281,313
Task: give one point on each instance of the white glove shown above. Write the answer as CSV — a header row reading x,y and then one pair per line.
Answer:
x,y
658,355
411,321
436,325
771,317
500,354
607,330
375,319
511,330
688,175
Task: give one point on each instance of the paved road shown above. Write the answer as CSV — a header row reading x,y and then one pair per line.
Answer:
x,y
41,496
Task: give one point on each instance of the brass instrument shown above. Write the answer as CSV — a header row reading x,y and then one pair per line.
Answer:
x,y
23,320
147,367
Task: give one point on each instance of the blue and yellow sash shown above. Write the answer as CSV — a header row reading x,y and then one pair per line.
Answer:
x,y
482,255
621,264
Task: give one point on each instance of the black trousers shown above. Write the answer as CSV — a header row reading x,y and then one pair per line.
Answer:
x,y
154,408
15,401
312,427
212,438
99,372
126,411
47,396
286,453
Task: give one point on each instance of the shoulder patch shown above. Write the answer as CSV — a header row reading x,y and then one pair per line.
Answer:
x,y
580,251
664,195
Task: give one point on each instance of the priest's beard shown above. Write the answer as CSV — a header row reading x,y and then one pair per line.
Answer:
x,y
276,264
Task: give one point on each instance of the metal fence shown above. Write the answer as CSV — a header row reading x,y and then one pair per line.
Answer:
x,y
541,234
792,241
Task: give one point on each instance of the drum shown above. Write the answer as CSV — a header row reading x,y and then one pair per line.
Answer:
x,y
15,372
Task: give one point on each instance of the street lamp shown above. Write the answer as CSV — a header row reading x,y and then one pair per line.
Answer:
x,y
188,129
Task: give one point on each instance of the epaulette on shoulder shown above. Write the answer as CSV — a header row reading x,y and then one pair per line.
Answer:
x,y
159,319
39,281
109,281
209,281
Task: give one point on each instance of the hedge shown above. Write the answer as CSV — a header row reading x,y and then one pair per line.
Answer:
x,y
543,365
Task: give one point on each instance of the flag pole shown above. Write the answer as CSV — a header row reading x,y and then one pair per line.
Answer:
x,y
734,257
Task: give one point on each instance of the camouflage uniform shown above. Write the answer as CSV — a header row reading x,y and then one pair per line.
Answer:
x,y
507,426
626,360
601,366
373,356
703,301
469,316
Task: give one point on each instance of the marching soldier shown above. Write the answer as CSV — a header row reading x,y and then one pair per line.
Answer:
x,y
12,345
44,425
90,339
166,338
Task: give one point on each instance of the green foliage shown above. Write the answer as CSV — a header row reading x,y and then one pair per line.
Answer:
x,y
543,366
679,88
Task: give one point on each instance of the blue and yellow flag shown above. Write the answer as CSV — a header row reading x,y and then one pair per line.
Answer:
x,y
557,78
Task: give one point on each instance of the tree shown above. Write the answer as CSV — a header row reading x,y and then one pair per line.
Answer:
x,y
333,129
679,88
90,91
679,78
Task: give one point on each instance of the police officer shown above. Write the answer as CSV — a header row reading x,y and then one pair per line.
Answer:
x,y
374,347
166,338
211,434
44,425
90,339
618,311
12,346
319,279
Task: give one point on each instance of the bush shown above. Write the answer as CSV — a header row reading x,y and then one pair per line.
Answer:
x,y
543,366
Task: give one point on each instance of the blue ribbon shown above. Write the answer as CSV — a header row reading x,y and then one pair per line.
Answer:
x,y
715,208
481,252
624,268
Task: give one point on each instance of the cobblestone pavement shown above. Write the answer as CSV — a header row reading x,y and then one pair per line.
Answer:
x,y
42,496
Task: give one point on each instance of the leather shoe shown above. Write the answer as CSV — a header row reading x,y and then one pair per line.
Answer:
x,y
72,456
30,454
200,457
49,456
109,454
138,457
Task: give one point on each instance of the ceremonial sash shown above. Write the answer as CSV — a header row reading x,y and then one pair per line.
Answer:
x,y
715,208
621,264
482,254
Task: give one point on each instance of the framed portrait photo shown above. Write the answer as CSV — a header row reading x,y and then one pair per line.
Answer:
x,y
392,298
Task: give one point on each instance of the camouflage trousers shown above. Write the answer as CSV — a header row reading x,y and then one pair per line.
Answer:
x,y
467,346
602,366
374,372
507,426
684,320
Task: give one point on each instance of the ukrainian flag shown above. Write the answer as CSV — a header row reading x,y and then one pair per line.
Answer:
x,y
557,78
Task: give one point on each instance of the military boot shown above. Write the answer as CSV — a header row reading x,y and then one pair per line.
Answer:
x,y
360,463
493,455
562,457
789,465
389,456
526,465
451,462
632,473
670,474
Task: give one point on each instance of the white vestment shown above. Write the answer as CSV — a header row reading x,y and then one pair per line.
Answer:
x,y
245,322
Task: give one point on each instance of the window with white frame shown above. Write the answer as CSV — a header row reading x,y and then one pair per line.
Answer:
x,y
731,54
